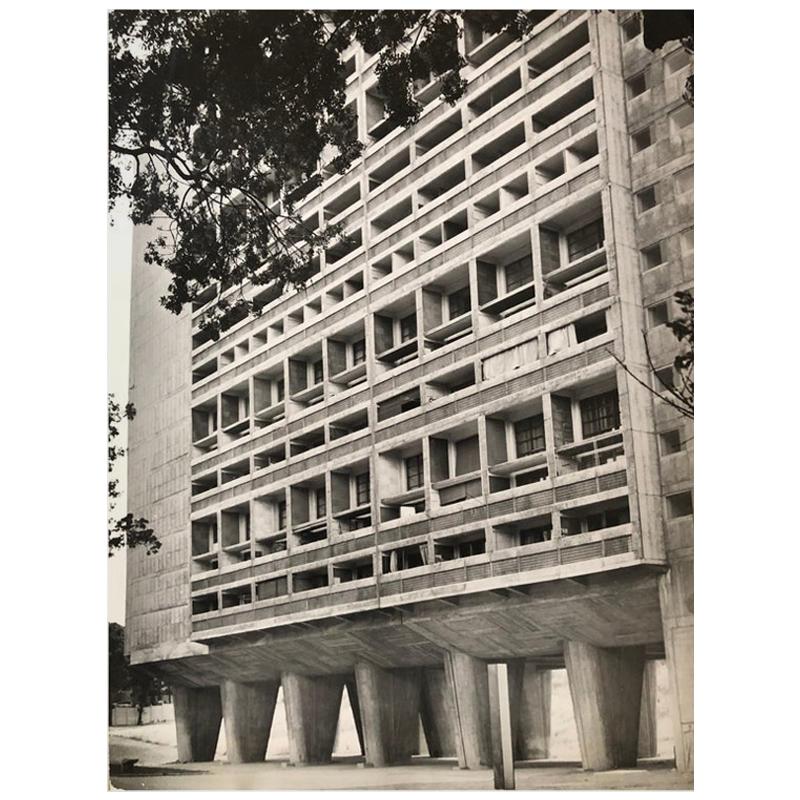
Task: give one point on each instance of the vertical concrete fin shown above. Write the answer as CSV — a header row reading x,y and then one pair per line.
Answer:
x,y
438,716
648,734
198,715
469,687
533,738
247,709
606,689
389,703
312,713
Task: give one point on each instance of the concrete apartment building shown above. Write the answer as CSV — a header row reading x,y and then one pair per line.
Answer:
x,y
429,460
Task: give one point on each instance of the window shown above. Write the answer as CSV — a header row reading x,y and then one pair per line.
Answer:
x,y
318,371
458,303
651,256
670,443
414,472
468,458
676,61
684,180
535,535
529,435
359,351
680,119
408,327
657,315
473,548
319,497
585,240
641,140
646,199
281,515
280,390
591,326
599,414
680,505
637,85
362,489
276,587
518,273
632,28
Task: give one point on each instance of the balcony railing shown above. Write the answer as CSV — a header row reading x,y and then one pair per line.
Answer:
x,y
368,593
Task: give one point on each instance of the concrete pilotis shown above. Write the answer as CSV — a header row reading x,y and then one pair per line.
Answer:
x,y
469,685
438,714
648,736
677,609
198,715
500,726
606,689
533,733
389,705
247,709
312,713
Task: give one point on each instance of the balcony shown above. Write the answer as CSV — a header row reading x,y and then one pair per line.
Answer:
x,y
607,448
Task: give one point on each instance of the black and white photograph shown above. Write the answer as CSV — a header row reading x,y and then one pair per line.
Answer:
x,y
401,399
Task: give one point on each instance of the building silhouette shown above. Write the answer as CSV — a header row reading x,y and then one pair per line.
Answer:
x,y
429,459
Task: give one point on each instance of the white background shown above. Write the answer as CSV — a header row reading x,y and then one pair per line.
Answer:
x,y
55,326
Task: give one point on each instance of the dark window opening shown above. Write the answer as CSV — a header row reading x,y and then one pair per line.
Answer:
x,y
600,414
362,489
414,471
542,533
518,273
359,352
458,303
585,240
408,327
529,435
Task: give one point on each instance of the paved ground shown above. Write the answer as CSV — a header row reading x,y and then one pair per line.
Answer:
x,y
156,769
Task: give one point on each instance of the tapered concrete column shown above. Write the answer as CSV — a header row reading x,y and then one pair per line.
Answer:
x,y
533,736
198,715
247,709
469,686
606,689
438,714
389,703
648,737
312,713
677,617
352,696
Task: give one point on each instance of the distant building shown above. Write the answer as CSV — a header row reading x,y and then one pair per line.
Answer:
x,y
429,459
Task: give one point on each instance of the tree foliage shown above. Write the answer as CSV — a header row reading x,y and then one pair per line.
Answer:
x,y
677,392
128,530
660,27
124,680
215,115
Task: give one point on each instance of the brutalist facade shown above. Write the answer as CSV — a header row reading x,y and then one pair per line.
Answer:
x,y
430,459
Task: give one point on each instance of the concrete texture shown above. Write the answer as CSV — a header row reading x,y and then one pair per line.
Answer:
x,y
601,588
312,714
247,709
198,715
468,681
389,704
533,734
606,689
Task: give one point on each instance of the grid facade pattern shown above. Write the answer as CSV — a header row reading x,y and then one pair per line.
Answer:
x,y
477,294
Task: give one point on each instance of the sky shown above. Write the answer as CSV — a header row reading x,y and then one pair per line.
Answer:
x,y
120,235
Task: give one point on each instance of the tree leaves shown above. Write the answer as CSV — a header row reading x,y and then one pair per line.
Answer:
x,y
125,531
215,116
